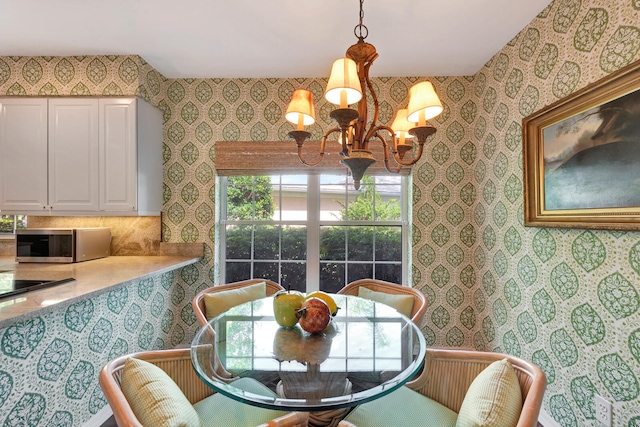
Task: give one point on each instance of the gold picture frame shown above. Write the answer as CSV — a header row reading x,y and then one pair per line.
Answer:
x,y
581,157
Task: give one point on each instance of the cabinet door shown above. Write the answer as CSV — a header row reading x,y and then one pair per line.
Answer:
x,y
118,154
23,154
73,154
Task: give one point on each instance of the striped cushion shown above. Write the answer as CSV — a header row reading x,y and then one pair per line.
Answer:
x,y
154,398
494,398
403,407
219,410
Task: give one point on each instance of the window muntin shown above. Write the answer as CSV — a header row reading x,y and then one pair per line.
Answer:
x,y
313,232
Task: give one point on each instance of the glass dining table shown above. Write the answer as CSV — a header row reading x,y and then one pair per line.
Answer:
x,y
367,351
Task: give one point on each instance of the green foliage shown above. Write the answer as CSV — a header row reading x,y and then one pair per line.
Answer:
x,y
368,205
249,198
6,224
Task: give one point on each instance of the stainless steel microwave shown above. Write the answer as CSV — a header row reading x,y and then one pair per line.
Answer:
x,y
62,244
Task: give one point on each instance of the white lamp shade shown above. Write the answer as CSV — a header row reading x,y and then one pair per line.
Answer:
x,y
401,125
423,97
301,107
343,82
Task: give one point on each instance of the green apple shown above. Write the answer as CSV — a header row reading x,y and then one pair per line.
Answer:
x,y
285,307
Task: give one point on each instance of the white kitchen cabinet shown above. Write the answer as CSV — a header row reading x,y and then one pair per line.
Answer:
x,y
130,156
73,154
80,156
23,154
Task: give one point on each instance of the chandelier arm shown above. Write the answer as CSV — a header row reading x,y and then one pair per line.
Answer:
x,y
394,149
322,146
386,162
414,160
376,104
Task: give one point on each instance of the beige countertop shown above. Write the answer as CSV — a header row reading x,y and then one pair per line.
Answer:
x,y
91,277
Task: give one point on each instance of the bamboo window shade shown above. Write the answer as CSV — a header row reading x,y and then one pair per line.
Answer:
x,y
281,157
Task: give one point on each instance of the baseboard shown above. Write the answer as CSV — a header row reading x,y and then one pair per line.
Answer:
x,y
100,417
545,419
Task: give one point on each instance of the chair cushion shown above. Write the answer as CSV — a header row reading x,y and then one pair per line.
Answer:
x,y
154,397
402,303
493,399
216,303
219,410
403,407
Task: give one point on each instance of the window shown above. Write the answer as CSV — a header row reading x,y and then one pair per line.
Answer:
x,y
313,231
10,223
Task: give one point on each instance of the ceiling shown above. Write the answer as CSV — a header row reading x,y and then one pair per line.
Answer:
x,y
268,38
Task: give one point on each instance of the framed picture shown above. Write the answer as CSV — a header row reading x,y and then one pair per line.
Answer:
x,y
582,157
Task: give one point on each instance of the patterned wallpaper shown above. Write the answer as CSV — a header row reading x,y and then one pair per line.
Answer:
x,y
565,299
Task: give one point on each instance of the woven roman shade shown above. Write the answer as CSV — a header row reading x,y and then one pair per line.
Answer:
x,y
281,157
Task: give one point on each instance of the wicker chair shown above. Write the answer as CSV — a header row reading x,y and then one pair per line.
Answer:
x,y
447,375
198,301
420,300
177,364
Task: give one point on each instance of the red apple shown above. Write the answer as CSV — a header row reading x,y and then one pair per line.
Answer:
x,y
314,315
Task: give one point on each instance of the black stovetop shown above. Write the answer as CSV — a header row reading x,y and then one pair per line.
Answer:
x,y
10,287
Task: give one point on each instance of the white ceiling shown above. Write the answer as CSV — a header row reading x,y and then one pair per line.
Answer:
x,y
268,38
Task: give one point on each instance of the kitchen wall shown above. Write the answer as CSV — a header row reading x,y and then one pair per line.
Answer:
x,y
566,299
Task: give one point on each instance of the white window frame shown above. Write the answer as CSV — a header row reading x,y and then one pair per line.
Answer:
x,y
313,225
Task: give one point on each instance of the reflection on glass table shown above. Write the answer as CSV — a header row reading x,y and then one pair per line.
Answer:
x,y
367,351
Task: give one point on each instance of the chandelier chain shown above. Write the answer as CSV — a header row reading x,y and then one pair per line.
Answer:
x,y
361,29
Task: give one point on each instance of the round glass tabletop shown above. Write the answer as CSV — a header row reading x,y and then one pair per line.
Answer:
x,y
368,350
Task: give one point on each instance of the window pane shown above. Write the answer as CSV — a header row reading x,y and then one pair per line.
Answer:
x,y
21,221
331,277
332,243
361,207
290,193
389,272
360,243
6,223
388,196
294,243
266,270
249,198
237,271
266,242
239,241
389,243
294,275
360,271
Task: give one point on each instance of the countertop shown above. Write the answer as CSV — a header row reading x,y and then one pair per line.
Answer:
x,y
91,277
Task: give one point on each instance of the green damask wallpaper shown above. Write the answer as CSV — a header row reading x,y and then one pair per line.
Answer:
x,y
49,364
565,299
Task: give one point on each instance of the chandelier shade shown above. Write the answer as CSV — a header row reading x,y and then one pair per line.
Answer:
x,y
343,88
424,103
401,127
301,111
348,84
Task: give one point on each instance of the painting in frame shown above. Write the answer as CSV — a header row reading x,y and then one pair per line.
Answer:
x,y
581,157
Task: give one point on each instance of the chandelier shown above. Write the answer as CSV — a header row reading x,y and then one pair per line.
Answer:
x,y
348,84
